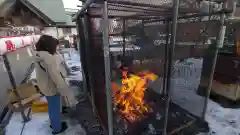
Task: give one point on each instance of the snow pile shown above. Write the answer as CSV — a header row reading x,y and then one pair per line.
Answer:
x,y
72,60
187,73
222,121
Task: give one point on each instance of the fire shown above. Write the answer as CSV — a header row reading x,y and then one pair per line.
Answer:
x,y
129,98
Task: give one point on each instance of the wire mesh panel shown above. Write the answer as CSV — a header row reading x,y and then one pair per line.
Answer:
x,y
140,37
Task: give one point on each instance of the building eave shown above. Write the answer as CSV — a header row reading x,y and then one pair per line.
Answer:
x,y
38,12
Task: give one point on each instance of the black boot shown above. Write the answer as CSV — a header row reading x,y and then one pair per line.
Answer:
x,y
65,110
64,128
62,124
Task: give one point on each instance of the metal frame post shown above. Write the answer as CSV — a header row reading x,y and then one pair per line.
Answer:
x,y
220,40
79,42
170,62
77,37
88,41
165,66
106,50
124,36
14,86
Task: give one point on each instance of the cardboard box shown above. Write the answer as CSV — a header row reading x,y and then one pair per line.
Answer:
x,y
25,90
28,100
229,91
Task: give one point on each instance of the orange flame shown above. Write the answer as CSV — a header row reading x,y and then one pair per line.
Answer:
x,y
130,97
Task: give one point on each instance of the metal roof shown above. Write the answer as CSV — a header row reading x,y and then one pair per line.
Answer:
x,y
44,9
68,21
53,9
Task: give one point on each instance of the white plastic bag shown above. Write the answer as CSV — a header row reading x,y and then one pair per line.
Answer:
x,y
69,100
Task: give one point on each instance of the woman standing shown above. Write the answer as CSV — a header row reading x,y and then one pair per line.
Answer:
x,y
50,81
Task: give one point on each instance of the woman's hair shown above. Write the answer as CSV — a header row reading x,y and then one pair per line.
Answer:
x,y
47,43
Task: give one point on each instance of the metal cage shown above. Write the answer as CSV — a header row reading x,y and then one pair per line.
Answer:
x,y
175,40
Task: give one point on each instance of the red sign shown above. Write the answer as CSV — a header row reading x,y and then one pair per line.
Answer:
x,y
10,45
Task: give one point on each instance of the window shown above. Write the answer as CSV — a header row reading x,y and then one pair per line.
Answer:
x,y
67,30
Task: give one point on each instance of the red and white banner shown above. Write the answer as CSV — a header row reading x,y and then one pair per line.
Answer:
x,y
8,44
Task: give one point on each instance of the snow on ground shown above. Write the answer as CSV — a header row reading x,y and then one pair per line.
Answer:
x,y
222,121
39,125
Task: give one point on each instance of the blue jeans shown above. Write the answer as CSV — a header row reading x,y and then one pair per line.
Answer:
x,y
54,112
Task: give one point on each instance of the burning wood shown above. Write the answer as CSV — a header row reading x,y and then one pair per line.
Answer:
x,y
129,95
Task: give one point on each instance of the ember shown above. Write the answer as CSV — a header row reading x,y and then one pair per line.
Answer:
x,y
129,95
